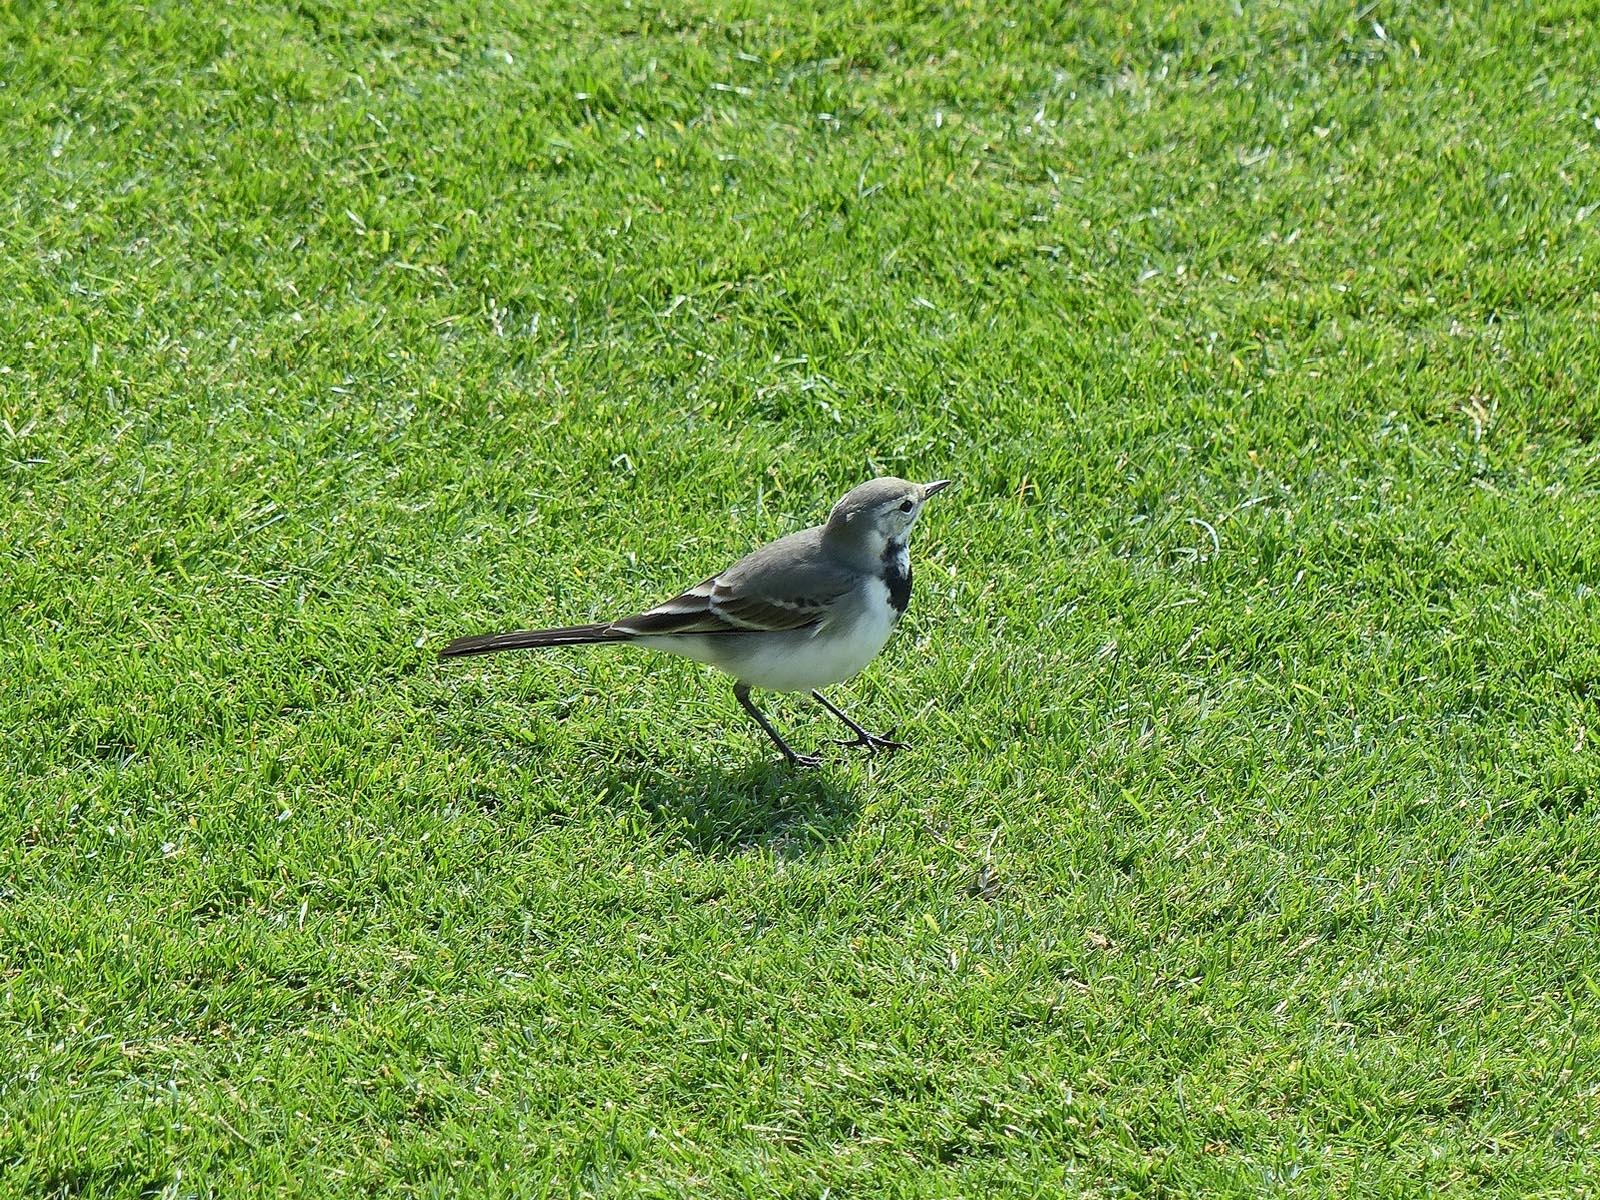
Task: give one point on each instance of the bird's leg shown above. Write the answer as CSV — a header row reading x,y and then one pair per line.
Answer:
x,y
870,741
741,693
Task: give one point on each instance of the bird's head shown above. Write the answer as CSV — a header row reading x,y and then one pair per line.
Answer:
x,y
876,518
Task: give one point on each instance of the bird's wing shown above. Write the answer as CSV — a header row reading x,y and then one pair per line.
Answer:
x,y
787,585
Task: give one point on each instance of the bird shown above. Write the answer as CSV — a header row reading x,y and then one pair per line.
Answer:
x,y
797,615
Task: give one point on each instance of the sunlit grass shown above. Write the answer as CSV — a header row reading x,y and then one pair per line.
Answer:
x,y
1248,844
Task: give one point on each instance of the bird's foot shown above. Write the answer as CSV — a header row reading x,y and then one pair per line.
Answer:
x,y
804,762
872,742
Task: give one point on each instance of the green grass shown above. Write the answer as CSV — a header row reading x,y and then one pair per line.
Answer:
x,y
1250,841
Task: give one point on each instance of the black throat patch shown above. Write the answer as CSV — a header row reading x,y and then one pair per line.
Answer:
x,y
897,575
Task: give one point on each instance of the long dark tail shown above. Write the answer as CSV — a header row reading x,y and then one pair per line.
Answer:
x,y
527,639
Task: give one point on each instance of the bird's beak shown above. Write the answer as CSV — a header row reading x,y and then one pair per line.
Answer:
x,y
929,489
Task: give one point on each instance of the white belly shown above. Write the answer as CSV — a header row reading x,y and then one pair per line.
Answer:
x,y
816,660
797,661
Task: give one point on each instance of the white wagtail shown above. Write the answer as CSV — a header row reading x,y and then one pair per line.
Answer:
x,y
806,611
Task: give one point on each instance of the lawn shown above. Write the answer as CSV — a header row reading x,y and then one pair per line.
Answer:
x,y
1249,841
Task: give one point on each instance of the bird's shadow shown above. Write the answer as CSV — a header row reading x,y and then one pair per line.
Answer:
x,y
719,810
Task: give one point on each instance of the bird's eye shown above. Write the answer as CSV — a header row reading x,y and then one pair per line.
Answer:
x,y
906,506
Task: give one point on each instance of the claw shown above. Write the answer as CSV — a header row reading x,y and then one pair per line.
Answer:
x,y
871,741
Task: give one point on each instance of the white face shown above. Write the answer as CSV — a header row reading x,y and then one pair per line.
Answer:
x,y
877,516
893,521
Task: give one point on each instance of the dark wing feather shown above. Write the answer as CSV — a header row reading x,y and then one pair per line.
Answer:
x,y
742,609
688,612
787,585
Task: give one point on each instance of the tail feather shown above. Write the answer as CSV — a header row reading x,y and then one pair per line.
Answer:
x,y
527,639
